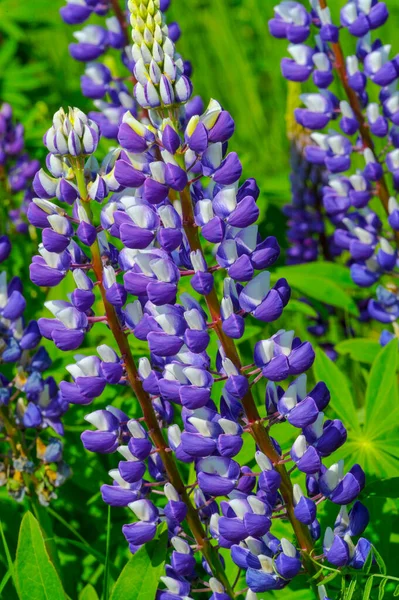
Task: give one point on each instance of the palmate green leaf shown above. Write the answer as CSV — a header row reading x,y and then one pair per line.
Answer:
x,y
341,398
378,403
360,349
140,578
371,454
88,593
36,575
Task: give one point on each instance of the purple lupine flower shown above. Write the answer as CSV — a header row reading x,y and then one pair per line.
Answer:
x,y
30,399
18,171
346,196
172,179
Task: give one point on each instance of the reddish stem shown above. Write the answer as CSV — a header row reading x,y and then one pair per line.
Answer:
x,y
120,15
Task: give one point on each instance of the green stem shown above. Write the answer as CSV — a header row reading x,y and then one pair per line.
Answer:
x,y
208,550
255,425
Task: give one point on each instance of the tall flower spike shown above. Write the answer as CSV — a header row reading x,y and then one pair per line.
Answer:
x,y
17,170
367,127
171,185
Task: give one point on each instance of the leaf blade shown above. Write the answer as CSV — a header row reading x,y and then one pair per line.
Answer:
x,y
341,398
140,576
36,575
382,379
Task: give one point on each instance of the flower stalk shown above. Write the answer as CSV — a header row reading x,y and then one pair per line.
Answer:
x,y
197,530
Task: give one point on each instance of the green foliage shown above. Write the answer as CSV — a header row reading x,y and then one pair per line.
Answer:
x,y
359,349
139,578
88,593
342,403
36,575
323,283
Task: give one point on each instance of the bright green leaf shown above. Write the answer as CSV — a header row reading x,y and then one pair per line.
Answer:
x,y
140,578
322,289
351,589
88,593
341,398
327,270
367,588
382,378
37,577
360,349
301,307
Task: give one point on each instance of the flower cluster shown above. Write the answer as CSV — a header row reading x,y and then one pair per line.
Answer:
x,y
174,206
17,170
108,85
30,402
361,145
307,220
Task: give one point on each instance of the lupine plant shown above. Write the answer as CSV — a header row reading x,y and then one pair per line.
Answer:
x,y
17,170
354,133
30,403
167,206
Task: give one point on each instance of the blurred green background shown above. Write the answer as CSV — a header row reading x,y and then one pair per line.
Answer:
x,y
236,61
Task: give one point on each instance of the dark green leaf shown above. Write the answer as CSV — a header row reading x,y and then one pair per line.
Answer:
x,y
37,577
341,398
7,552
88,593
140,578
4,581
384,488
107,551
360,349
396,592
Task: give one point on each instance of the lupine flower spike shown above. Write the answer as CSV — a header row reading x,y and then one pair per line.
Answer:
x,y
17,170
170,188
365,128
